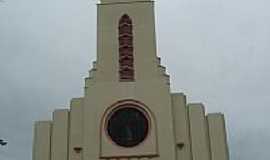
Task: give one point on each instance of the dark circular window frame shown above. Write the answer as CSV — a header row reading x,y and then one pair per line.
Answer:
x,y
127,104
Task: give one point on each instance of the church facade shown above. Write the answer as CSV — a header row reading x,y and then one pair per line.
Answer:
x,y
127,111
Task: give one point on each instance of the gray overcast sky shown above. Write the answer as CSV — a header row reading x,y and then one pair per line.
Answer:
x,y
216,51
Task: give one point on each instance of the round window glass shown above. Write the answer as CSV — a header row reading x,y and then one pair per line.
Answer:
x,y
127,126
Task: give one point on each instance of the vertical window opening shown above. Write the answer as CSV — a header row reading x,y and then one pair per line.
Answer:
x,y
126,59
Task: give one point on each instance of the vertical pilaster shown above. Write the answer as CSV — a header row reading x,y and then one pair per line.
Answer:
x,y
42,140
181,126
199,132
75,130
217,134
60,135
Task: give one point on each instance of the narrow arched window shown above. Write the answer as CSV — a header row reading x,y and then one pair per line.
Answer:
x,y
126,60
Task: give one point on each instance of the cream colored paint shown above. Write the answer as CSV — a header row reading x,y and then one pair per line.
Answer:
x,y
75,129
59,141
198,132
142,15
181,127
217,133
121,1
180,131
42,140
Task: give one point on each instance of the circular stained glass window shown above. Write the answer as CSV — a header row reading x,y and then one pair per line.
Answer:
x,y
127,126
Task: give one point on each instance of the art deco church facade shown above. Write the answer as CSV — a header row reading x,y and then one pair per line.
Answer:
x,y
128,111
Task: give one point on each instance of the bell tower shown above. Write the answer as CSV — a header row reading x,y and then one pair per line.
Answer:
x,y
128,92
127,111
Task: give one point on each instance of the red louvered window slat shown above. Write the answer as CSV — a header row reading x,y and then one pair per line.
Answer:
x,y
126,59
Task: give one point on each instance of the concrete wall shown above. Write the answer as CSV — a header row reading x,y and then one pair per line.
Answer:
x,y
144,40
76,129
179,131
121,1
197,137
217,134
42,140
181,126
149,87
198,132
59,144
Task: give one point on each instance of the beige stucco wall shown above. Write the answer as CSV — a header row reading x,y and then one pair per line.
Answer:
x,y
179,131
199,136
142,15
198,132
150,87
153,95
217,134
42,140
76,129
59,140
181,126
121,1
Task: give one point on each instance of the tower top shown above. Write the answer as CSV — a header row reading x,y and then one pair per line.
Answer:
x,y
122,1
